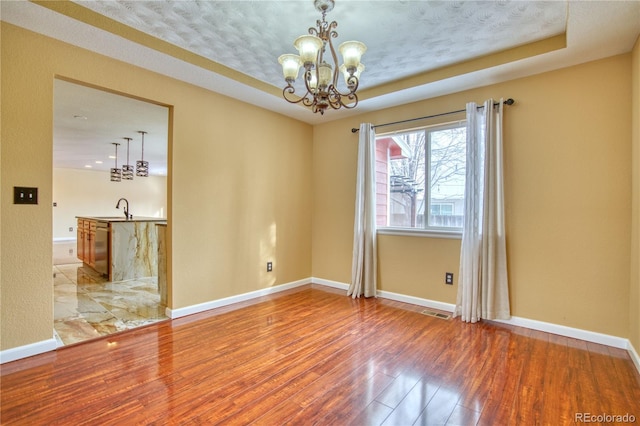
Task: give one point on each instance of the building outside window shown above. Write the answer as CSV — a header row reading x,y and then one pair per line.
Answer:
x,y
420,177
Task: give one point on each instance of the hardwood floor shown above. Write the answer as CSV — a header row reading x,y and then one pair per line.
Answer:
x,y
314,356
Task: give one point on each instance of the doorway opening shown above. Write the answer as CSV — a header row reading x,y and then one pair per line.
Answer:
x,y
87,122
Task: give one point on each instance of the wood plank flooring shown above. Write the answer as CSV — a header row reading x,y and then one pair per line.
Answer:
x,y
312,356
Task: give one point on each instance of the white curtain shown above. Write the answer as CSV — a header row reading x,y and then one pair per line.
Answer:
x,y
364,265
482,285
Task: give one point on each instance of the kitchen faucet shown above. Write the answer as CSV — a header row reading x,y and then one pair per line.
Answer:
x,y
126,208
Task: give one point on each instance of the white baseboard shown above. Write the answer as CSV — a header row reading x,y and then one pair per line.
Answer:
x,y
634,356
427,303
201,307
392,296
575,333
25,351
329,283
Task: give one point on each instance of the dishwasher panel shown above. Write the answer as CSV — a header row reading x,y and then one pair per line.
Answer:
x,y
102,248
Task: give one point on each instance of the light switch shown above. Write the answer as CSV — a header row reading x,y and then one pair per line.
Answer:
x,y
24,195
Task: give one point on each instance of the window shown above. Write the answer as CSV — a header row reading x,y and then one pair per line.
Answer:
x,y
420,178
442,209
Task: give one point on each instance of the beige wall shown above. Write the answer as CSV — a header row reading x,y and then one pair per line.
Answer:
x,y
238,196
634,299
90,193
567,186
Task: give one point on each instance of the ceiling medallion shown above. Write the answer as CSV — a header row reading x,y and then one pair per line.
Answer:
x,y
321,77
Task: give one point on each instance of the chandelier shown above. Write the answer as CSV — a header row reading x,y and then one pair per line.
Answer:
x,y
321,77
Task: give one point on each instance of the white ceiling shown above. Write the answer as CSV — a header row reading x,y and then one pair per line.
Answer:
x,y
88,121
232,47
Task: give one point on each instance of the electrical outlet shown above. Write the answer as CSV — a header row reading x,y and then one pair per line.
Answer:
x,y
448,278
269,266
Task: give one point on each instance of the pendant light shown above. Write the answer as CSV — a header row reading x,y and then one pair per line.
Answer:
x,y
142,167
116,173
127,169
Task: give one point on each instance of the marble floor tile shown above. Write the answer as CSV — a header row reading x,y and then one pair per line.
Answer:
x,y
75,330
87,306
60,279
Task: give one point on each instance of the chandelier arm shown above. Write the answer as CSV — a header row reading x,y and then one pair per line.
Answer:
x,y
336,102
350,106
340,104
350,93
290,90
353,83
307,80
336,69
319,60
308,101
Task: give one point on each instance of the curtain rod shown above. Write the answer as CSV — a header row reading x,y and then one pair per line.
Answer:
x,y
509,101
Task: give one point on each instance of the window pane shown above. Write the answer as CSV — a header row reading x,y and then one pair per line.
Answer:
x,y
407,196
406,179
447,166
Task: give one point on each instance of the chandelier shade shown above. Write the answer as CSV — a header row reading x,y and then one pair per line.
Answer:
x,y
324,74
290,66
308,47
318,58
352,52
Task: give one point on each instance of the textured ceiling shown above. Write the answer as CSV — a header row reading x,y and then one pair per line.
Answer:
x,y
416,49
404,37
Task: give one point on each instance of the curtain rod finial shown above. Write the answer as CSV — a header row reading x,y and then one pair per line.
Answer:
x,y
354,130
509,101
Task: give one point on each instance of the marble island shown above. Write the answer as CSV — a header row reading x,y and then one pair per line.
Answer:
x,y
119,247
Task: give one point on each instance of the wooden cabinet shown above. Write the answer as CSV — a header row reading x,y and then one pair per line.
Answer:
x,y
91,252
86,246
80,240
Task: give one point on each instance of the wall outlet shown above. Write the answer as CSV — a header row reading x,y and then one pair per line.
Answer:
x,y
269,266
448,278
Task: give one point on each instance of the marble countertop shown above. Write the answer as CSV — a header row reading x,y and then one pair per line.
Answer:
x,y
122,218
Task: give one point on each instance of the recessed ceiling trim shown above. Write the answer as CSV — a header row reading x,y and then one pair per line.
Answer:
x,y
483,62
87,16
